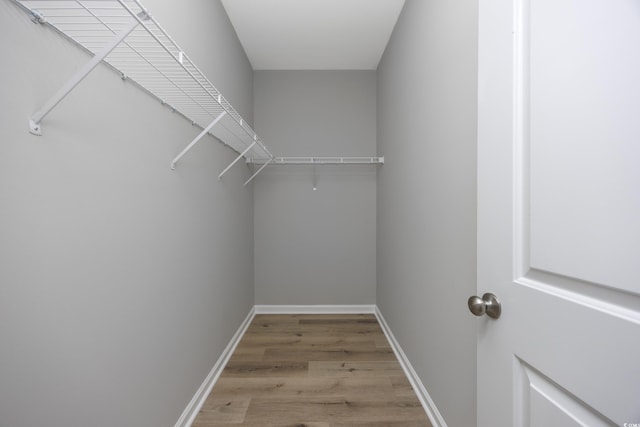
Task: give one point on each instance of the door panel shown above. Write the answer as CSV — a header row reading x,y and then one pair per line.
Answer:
x,y
590,354
581,95
559,212
551,405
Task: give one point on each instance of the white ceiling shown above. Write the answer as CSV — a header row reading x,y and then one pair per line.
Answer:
x,y
314,34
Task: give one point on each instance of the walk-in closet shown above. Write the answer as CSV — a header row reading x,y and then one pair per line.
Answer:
x,y
318,212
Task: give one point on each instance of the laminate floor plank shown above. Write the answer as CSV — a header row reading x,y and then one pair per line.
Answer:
x,y
248,369
401,386
338,354
247,353
313,371
332,409
374,388
263,424
357,368
293,341
220,410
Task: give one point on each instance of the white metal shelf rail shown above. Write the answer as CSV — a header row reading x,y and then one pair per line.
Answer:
x,y
322,161
123,34
313,161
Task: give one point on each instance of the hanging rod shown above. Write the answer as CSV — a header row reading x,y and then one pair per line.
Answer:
x,y
320,161
310,161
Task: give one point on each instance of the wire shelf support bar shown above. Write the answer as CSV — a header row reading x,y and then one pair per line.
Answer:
x,y
258,171
197,138
237,159
34,121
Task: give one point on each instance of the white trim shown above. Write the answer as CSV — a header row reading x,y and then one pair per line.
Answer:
x,y
315,309
426,401
191,411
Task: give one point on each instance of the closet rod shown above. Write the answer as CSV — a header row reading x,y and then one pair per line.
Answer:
x,y
310,161
321,161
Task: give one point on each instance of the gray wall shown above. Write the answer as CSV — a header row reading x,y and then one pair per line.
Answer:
x,y
121,281
427,197
316,247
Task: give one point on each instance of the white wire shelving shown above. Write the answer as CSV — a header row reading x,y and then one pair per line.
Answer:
x,y
313,161
124,35
323,161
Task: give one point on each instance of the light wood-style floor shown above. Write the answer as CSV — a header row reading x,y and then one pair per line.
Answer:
x,y
315,371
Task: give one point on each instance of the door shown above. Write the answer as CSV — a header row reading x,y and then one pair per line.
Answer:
x,y
559,212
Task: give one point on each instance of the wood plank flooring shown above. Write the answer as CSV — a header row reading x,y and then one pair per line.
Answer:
x,y
314,371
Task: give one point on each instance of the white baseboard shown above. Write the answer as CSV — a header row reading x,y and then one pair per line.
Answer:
x,y
315,309
191,411
426,401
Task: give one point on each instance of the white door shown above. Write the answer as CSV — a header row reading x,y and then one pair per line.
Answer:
x,y
559,212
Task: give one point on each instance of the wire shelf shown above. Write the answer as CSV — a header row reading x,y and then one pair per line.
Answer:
x,y
149,57
322,161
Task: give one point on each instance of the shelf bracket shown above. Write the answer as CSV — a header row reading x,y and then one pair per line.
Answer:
x,y
197,138
255,141
34,121
258,171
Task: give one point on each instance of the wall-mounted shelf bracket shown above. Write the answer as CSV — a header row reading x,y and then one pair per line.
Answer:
x,y
34,121
255,141
258,171
37,17
197,138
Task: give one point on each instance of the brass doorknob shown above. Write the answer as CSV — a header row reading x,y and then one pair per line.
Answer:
x,y
488,304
